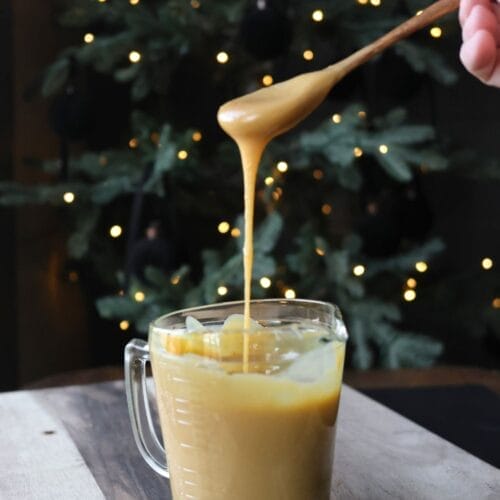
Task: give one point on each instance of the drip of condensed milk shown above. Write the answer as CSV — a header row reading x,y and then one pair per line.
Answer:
x,y
253,120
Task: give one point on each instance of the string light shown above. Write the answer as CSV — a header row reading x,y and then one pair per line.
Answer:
x,y
139,296
418,13
88,37
134,56
133,143
268,181
436,32
182,154
235,232
336,118
265,282
357,152
223,227
175,280
222,290
267,80
134,2
290,293
421,266
376,3
317,16
101,1
362,114
318,174
320,251
410,295
282,166
487,263
276,194
496,303
197,137
411,283
358,270
308,55
222,57
69,197
326,209
73,276
115,231
383,149
362,2
124,325
195,4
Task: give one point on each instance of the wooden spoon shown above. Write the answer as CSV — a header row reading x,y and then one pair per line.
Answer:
x,y
271,111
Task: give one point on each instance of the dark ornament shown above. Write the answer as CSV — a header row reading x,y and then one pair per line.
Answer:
x,y
265,30
151,251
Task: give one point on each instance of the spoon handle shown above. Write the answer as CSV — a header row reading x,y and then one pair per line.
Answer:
x,y
426,17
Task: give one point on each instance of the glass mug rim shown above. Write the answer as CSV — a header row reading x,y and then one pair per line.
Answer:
x,y
338,332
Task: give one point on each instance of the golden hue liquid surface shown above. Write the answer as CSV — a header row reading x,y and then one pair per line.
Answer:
x,y
247,436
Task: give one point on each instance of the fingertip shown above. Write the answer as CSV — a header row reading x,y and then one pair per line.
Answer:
x,y
478,54
466,7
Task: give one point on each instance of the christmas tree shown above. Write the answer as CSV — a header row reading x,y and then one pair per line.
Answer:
x,y
153,202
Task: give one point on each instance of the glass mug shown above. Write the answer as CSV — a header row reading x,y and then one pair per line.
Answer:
x,y
244,414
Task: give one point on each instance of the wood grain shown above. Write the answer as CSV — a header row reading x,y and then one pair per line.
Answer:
x,y
38,459
379,454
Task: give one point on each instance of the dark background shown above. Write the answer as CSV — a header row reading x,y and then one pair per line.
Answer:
x,y
46,325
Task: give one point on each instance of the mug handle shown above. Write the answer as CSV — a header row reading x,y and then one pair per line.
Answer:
x,y
136,357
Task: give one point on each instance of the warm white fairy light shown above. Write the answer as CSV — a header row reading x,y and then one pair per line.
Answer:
x,y
290,293
282,166
133,143
362,114
376,3
496,303
318,174
308,55
139,296
88,37
222,57
235,232
358,270
222,290
421,266
411,283
336,118
195,4
101,1
134,2
317,15
265,282
410,295
69,197
134,56
357,152
115,231
436,32
320,251
197,136
223,227
175,280
124,325
326,209
418,13
267,80
362,2
182,154
383,149
487,263
268,181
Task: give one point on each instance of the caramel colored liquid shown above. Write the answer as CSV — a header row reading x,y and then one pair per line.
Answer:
x,y
253,121
246,436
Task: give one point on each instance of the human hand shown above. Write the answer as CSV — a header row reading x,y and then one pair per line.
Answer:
x,y
480,52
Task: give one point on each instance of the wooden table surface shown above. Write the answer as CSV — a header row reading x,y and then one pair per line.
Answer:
x,y
76,443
